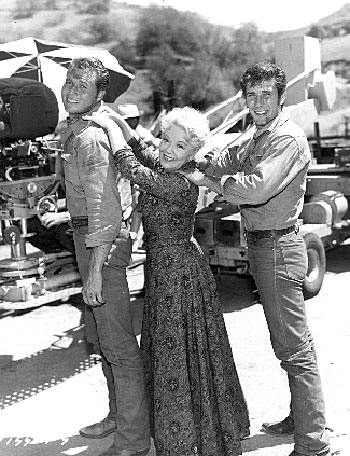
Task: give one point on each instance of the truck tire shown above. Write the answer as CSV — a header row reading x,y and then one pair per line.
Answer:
x,y
316,265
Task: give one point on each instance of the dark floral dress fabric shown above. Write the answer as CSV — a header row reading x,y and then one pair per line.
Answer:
x,y
196,401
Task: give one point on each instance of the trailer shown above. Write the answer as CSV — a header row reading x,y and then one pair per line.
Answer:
x,y
218,231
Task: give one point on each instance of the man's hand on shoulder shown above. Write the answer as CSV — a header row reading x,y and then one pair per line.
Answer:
x,y
200,179
202,162
194,175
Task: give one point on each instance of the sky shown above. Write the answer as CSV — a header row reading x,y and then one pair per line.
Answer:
x,y
268,15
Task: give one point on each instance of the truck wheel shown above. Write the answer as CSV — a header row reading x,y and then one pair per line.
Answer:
x,y
316,265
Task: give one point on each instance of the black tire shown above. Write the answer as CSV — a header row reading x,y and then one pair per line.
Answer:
x,y
316,265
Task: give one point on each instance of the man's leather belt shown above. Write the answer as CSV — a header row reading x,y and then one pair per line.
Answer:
x,y
77,222
260,234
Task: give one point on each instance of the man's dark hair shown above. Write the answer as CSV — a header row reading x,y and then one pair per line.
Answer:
x,y
92,63
261,72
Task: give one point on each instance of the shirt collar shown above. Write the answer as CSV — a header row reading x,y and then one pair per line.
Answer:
x,y
75,126
282,117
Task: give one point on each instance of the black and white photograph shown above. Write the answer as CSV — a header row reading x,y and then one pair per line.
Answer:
x,y
174,228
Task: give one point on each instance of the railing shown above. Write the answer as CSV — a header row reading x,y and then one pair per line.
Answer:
x,y
232,117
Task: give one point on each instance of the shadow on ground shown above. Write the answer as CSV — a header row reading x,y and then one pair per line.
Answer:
x,y
338,259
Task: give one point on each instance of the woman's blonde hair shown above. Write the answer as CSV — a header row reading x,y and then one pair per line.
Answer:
x,y
192,121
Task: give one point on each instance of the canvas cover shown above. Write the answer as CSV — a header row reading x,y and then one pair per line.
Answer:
x,y
28,109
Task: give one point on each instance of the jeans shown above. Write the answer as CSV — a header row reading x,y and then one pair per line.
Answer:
x,y
109,328
278,266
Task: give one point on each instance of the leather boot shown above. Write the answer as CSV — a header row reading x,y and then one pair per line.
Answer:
x,y
99,430
284,427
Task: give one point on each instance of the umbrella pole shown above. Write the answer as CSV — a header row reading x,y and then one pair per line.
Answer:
x,y
40,76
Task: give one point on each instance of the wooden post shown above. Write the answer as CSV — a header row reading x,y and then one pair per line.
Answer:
x,y
318,140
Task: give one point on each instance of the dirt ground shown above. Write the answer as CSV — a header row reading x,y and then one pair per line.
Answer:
x,y
51,385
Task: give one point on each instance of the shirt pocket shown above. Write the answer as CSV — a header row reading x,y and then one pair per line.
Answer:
x,y
69,156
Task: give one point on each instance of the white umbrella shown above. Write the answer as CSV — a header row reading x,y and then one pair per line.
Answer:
x,y
47,61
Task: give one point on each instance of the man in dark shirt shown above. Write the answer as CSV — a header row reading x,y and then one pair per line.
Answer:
x,y
103,248
267,179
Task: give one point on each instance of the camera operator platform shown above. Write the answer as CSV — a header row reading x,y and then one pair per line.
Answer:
x,y
30,195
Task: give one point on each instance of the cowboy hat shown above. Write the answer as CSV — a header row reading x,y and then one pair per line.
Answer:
x,y
128,110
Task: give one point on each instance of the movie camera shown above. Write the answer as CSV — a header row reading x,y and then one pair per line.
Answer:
x,y
28,183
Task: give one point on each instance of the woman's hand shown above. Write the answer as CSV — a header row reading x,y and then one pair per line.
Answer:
x,y
115,134
119,120
101,118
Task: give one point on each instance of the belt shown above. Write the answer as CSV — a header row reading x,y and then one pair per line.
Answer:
x,y
77,222
260,234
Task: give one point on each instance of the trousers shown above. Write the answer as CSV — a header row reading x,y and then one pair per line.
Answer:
x,y
278,266
109,328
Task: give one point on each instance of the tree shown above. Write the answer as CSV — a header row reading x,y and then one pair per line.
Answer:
x,y
24,9
316,32
96,7
99,30
206,61
158,27
51,5
125,53
245,50
205,84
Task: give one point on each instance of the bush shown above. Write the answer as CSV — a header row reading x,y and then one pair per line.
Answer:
x,y
99,31
94,7
54,20
125,52
24,9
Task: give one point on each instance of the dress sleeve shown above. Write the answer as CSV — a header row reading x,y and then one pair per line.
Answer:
x,y
220,162
146,155
155,180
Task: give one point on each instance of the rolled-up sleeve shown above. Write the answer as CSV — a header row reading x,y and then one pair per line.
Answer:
x,y
286,157
219,162
98,177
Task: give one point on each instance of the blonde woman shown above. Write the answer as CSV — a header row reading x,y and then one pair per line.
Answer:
x,y
196,402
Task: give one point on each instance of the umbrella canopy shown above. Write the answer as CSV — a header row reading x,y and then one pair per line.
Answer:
x,y
47,62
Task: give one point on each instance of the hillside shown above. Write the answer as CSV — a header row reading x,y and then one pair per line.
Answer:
x,y
338,17
337,48
66,24
62,22
334,21
66,21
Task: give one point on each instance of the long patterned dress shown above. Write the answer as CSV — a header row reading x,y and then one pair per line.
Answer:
x,y
195,398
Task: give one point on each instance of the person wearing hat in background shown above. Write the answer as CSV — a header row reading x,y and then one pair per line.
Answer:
x,y
131,114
